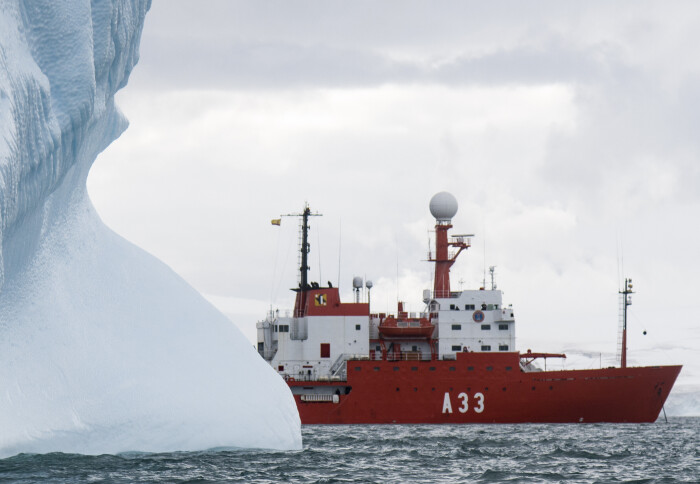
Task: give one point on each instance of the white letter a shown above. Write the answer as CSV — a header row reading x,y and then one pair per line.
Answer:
x,y
446,404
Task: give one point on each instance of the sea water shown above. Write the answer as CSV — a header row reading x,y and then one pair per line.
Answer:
x,y
591,453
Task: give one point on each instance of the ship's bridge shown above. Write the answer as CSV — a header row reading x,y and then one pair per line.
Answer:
x,y
472,320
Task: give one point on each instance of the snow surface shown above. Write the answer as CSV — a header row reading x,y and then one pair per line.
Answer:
x,y
103,348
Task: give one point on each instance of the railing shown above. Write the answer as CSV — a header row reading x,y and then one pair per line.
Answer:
x,y
403,356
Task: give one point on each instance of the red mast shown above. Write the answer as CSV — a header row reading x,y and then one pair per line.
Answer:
x,y
443,206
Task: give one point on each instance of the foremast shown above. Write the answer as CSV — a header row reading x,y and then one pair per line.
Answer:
x,y
304,248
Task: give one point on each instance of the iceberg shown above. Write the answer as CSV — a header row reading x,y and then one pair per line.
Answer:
x,y
103,348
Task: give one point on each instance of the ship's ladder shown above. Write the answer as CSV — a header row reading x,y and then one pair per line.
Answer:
x,y
339,368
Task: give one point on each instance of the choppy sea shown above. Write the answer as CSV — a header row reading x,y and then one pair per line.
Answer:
x,y
596,453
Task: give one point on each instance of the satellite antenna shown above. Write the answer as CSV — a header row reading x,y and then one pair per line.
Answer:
x,y
356,287
368,285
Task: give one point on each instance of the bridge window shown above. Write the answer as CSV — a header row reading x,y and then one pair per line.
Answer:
x,y
456,327
456,348
485,347
503,327
486,327
502,347
357,327
284,328
325,350
469,307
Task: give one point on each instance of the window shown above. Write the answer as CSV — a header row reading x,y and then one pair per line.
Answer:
x,y
456,327
503,327
470,368
489,368
469,307
509,368
378,348
456,348
280,368
495,306
486,327
358,368
489,307
414,368
502,347
376,368
485,347
396,368
432,368
414,348
452,307
325,350
261,347
452,368
284,328
357,327
275,328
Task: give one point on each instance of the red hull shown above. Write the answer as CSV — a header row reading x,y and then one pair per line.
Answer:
x,y
486,388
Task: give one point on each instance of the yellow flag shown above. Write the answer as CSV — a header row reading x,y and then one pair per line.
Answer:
x,y
276,221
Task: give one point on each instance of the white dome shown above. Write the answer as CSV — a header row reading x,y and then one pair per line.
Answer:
x,y
443,206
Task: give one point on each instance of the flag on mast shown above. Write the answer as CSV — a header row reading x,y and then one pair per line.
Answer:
x,y
276,221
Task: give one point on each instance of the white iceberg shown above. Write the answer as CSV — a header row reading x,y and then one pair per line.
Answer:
x,y
103,348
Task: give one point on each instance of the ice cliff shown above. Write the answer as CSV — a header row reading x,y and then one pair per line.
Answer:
x,y
103,348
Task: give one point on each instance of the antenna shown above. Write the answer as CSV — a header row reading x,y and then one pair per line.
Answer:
x,y
357,287
340,239
492,270
368,285
318,243
483,223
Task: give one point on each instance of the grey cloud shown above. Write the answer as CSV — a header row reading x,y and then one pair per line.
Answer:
x,y
181,65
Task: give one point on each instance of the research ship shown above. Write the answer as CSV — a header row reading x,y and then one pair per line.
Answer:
x,y
455,362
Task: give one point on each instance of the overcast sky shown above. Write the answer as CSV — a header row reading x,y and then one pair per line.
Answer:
x,y
568,132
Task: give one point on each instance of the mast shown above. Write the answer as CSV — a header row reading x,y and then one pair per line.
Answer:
x,y
443,206
304,245
304,248
627,301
